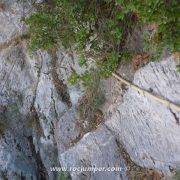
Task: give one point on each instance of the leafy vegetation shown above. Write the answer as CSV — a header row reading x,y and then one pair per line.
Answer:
x,y
90,103
177,175
77,24
103,26
164,14
178,68
100,30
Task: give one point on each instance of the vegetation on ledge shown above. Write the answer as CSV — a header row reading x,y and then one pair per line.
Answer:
x,y
99,29
103,30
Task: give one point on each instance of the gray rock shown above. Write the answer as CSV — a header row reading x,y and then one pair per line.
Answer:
x,y
95,149
67,132
11,23
149,130
39,131
16,158
26,85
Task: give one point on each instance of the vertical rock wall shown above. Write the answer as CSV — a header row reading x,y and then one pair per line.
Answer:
x,y
148,129
39,130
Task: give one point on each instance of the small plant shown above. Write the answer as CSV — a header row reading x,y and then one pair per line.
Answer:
x,y
90,103
151,46
3,127
178,68
177,175
63,176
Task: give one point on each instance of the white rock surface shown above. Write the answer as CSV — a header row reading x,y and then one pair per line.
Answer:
x,y
96,149
149,130
32,109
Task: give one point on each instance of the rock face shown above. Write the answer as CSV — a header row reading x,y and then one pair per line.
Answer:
x,y
30,105
96,149
148,129
39,129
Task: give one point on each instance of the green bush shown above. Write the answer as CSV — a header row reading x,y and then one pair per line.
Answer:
x,y
74,24
103,26
165,14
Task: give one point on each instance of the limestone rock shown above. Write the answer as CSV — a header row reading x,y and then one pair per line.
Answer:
x,y
38,130
149,130
95,149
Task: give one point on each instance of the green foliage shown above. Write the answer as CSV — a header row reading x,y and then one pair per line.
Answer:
x,y
161,12
3,126
151,46
103,26
40,24
178,68
177,175
49,28
85,78
74,78
93,98
76,24
109,65
82,60
63,175
100,29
